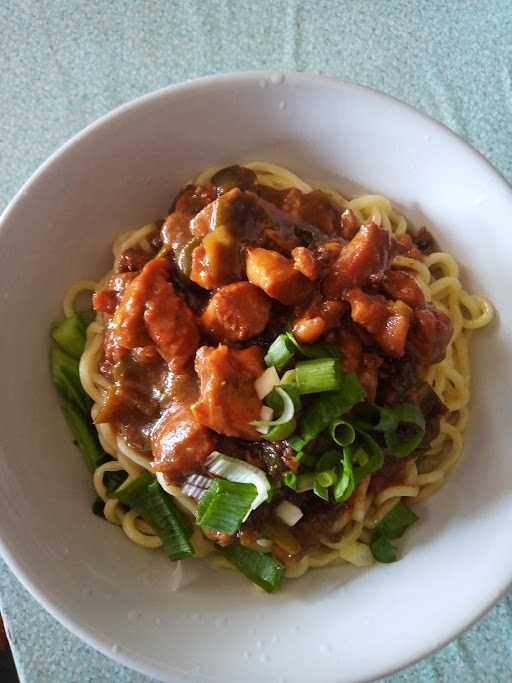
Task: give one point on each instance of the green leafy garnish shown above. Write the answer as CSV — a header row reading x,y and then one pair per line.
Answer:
x,y
262,569
225,505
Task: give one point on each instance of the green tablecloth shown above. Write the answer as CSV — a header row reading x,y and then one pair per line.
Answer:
x,y
64,63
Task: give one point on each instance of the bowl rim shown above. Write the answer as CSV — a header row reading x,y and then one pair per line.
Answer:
x,y
7,551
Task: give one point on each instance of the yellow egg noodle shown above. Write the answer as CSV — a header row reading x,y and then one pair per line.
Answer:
x,y
438,277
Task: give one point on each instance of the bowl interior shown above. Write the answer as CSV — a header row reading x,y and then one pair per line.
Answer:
x,y
123,172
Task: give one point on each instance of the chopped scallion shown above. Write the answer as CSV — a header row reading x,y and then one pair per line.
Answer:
x,y
280,352
319,350
346,483
397,521
261,568
69,334
290,480
284,404
320,491
85,436
410,431
318,375
383,550
326,478
225,505
342,432
66,377
157,508
375,458
282,431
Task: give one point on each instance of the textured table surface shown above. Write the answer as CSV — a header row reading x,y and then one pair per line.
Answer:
x,y
64,63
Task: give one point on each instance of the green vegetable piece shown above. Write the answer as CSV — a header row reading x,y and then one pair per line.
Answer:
x,y
320,491
396,522
326,478
280,352
66,378
225,505
318,375
319,416
410,431
319,350
383,550
85,436
113,480
328,460
297,443
371,417
157,508
375,456
69,334
130,493
290,480
299,482
282,431
262,569
346,483
342,432
275,401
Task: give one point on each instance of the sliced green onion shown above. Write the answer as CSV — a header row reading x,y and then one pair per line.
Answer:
x,y
275,401
327,461
290,480
383,550
288,377
321,491
370,416
409,413
157,508
275,486
129,493
410,416
113,480
346,483
287,409
329,407
283,431
396,522
319,415
305,482
262,569
69,334
342,432
326,478
300,455
318,375
240,471
85,436
361,457
280,352
297,443
372,450
66,378
319,350
225,505
299,482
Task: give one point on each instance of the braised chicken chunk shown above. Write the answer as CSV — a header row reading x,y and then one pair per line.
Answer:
x,y
228,401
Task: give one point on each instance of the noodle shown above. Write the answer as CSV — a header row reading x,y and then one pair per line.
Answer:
x,y
437,276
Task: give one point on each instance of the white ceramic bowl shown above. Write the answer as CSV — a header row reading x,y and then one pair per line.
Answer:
x,y
333,625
